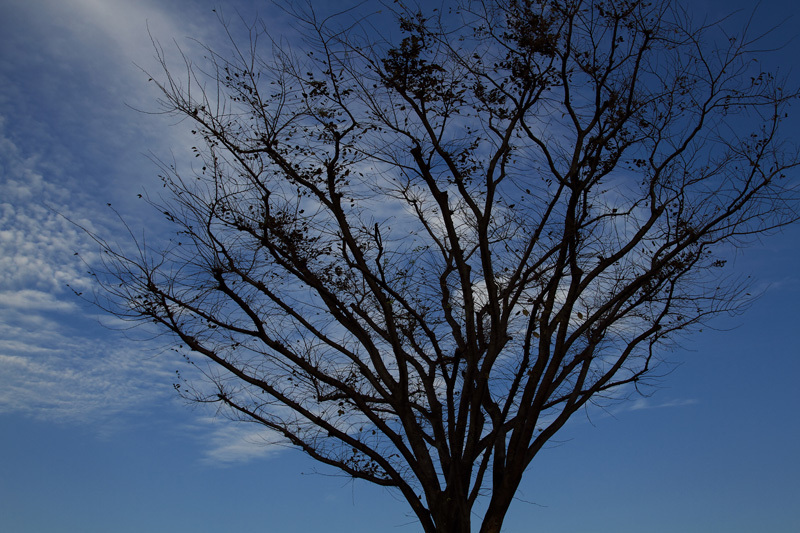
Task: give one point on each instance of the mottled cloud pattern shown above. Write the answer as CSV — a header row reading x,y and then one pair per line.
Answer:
x,y
70,144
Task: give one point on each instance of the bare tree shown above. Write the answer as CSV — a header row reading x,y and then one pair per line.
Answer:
x,y
415,258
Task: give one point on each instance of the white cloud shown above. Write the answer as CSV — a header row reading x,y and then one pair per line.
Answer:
x,y
646,403
28,300
237,442
68,145
37,245
78,380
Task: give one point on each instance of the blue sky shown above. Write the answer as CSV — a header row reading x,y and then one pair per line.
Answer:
x,y
93,438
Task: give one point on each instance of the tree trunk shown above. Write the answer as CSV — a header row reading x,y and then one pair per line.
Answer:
x,y
502,497
452,514
492,524
493,520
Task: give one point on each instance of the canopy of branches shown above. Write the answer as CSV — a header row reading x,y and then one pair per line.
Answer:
x,y
415,254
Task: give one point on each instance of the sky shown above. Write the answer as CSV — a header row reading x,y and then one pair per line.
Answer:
x,y
93,437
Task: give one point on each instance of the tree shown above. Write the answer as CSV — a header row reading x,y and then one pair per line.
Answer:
x,y
415,258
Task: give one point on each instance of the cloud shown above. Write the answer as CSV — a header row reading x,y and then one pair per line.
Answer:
x,y
645,403
56,362
236,442
69,144
37,244
70,379
28,300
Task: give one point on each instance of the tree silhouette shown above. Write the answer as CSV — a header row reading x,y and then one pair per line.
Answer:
x,y
416,257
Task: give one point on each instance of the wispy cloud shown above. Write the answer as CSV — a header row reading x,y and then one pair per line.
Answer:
x,y
646,403
57,363
34,300
78,380
68,145
231,442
